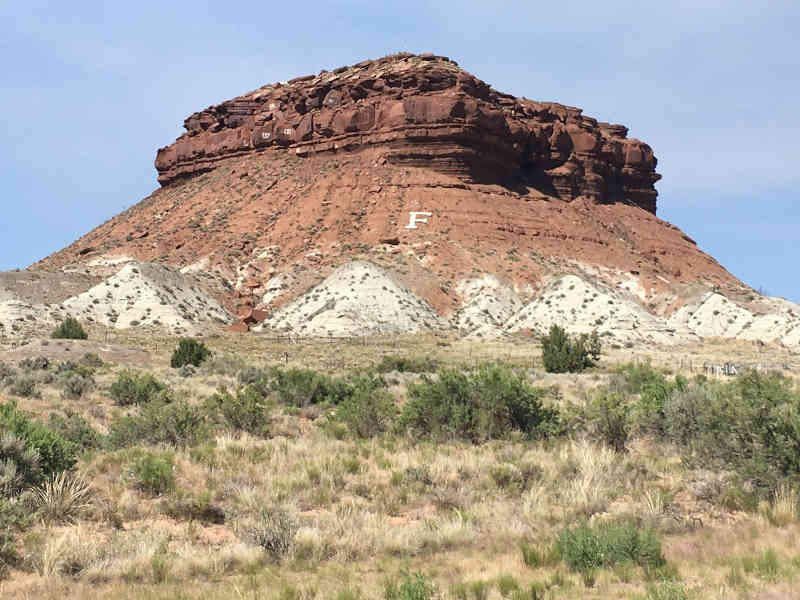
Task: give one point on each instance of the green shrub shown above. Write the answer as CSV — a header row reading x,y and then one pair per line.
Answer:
x,y
651,414
25,386
369,410
8,553
405,364
92,360
19,465
246,410
485,404
608,418
175,424
189,352
16,514
634,378
69,329
76,385
562,354
223,363
137,388
7,374
153,472
304,387
55,453
76,430
40,363
588,547
750,425
409,586
67,367
255,376
192,507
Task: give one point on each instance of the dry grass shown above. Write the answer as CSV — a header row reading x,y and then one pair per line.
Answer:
x,y
365,510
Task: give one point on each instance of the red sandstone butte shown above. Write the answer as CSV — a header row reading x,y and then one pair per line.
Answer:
x,y
425,111
298,178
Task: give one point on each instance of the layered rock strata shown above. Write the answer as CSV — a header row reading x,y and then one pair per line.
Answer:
x,y
423,110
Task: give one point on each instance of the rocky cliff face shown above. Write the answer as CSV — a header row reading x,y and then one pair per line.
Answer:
x,y
423,111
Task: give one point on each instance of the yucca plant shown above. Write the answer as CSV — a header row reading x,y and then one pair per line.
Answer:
x,y
62,498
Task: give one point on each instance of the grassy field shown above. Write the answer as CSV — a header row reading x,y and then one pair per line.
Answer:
x,y
451,469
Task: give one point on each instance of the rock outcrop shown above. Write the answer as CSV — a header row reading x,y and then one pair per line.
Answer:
x,y
423,111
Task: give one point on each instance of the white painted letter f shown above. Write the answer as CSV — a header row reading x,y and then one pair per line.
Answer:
x,y
416,217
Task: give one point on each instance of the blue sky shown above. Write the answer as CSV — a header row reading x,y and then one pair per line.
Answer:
x,y
90,90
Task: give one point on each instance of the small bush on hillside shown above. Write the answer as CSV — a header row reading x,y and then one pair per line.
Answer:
x,y
183,505
92,360
488,403
303,387
223,363
254,375
8,553
68,367
263,380
608,418
246,410
7,374
55,453
651,415
40,363
751,425
562,354
369,410
634,378
76,430
189,352
405,364
605,544
176,424
25,386
76,385
137,388
69,329
409,586
19,470
153,472
19,465
273,531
